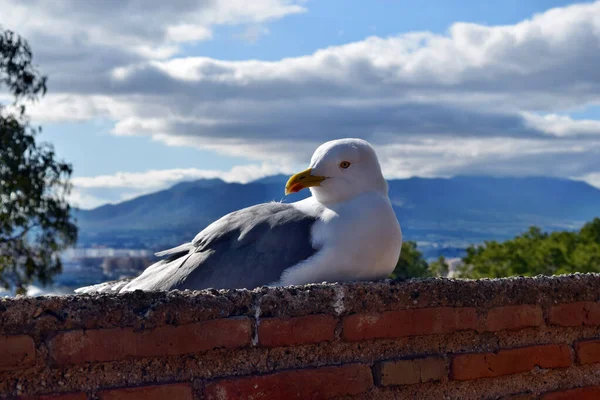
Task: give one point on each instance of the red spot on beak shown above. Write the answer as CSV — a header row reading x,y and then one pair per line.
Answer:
x,y
296,187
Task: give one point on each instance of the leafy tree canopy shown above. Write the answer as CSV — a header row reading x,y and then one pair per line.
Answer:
x,y
531,253
411,263
439,267
536,253
35,217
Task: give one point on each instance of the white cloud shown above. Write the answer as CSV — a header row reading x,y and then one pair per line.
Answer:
x,y
78,43
491,156
137,25
562,125
188,33
489,99
593,179
78,198
154,179
71,107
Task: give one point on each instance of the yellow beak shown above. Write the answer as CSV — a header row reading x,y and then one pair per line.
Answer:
x,y
303,180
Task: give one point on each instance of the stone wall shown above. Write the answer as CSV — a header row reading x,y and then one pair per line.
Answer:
x,y
521,338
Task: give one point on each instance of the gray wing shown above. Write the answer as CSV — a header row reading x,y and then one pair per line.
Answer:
x,y
245,249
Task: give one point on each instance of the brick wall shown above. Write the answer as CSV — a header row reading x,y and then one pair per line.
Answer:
x,y
437,338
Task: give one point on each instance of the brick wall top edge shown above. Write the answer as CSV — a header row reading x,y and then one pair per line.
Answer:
x,y
148,309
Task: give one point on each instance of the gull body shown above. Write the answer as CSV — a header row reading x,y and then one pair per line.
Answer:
x,y
347,230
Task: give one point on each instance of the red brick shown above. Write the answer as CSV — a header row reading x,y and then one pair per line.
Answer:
x,y
100,345
514,317
58,396
275,332
178,391
588,352
585,393
423,321
520,396
16,352
318,383
408,372
575,314
510,361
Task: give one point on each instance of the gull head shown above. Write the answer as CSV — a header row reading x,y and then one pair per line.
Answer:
x,y
339,171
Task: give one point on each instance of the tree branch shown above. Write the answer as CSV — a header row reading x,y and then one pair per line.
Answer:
x,y
17,237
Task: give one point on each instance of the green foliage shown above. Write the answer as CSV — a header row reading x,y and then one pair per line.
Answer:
x,y
17,73
439,267
411,263
35,217
531,253
536,253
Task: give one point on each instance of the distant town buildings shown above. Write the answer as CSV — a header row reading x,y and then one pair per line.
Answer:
x,y
103,252
122,267
87,266
453,265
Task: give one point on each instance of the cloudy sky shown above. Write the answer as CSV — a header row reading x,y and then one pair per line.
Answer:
x,y
146,93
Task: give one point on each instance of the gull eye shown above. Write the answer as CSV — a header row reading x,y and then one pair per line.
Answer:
x,y
344,164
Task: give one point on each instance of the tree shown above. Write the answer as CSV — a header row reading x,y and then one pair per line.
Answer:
x,y
35,218
411,263
439,267
536,253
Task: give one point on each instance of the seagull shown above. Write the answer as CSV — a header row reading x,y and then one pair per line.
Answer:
x,y
346,231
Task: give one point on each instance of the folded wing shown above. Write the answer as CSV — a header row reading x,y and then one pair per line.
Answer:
x,y
244,249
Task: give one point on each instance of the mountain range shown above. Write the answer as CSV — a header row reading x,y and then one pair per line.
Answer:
x,y
443,215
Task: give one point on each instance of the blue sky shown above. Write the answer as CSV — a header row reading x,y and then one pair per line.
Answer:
x,y
220,89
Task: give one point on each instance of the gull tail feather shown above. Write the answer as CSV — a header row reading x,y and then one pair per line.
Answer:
x,y
106,287
178,251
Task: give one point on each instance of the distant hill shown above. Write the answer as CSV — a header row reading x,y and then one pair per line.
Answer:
x,y
279,179
444,215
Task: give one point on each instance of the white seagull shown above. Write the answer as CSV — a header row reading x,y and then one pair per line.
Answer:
x,y
347,230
